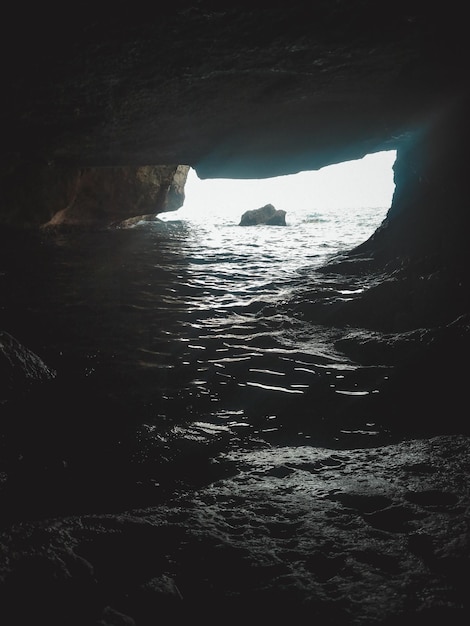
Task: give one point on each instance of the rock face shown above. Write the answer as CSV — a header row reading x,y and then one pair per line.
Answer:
x,y
70,196
239,91
103,112
104,195
373,536
19,367
244,88
264,215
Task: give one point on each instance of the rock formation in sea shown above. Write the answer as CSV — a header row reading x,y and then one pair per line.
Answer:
x,y
266,214
103,113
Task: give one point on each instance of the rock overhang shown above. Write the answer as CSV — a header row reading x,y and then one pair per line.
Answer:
x,y
239,91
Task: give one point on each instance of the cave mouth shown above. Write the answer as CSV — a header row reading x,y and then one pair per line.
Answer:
x,y
357,187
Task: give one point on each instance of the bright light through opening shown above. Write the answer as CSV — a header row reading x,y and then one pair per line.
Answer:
x,y
363,183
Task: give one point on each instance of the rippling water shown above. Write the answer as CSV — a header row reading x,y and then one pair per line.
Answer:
x,y
194,324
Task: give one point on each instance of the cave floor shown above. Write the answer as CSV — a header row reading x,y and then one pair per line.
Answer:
x,y
376,535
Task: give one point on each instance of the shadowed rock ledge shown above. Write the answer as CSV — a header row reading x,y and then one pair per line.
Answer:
x,y
363,536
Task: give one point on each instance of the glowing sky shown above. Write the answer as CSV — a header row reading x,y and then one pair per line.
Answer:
x,y
367,182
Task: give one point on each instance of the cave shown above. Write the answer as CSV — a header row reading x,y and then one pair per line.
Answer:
x,y
120,501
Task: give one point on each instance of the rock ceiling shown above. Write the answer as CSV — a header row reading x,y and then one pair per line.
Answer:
x,y
232,90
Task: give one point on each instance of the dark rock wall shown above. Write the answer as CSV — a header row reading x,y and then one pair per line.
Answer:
x,y
108,195
31,192
236,91
429,217
38,195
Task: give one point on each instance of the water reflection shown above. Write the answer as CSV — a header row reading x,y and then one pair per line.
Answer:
x,y
188,324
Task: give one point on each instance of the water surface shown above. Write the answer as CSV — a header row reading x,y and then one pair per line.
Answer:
x,y
196,324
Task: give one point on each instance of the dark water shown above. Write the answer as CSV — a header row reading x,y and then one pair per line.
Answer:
x,y
194,329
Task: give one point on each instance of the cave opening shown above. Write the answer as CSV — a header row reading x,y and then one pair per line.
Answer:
x,y
366,182
199,419
346,201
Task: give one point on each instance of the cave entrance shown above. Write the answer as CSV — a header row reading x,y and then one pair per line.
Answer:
x,y
357,192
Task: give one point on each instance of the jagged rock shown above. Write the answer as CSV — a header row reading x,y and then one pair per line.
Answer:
x,y
112,617
107,195
138,219
250,92
264,215
344,543
59,584
19,366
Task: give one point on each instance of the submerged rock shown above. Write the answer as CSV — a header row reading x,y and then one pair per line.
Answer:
x,y
19,366
264,215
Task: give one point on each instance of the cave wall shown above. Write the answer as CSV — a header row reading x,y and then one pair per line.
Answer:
x,y
233,91
47,195
105,196
429,217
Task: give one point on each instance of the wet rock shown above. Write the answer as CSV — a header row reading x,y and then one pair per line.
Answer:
x,y
264,215
19,367
111,617
159,596
367,541
103,196
58,586
324,566
280,472
432,497
392,519
366,503
135,221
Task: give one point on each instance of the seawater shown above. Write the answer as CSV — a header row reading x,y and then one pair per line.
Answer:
x,y
193,322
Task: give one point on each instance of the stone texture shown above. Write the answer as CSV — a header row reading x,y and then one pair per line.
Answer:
x,y
70,196
244,87
106,195
264,215
370,535
20,368
242,90
361,536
